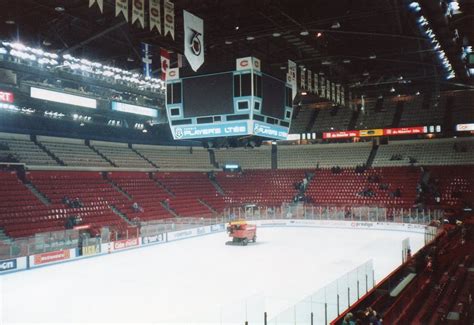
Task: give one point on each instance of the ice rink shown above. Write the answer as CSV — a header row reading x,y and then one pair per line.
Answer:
x,y
196,280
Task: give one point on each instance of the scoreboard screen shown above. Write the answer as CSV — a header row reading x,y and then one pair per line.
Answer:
x,y
208,95
273,97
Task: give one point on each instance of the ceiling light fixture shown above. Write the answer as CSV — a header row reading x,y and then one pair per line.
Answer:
x,y
228,42
59,9
276,34
319,34
304,33
336,25
10,22
250,38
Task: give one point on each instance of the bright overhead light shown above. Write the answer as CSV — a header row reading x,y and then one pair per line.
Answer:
x,y
304,93
236,27
373,56
276,34
60,9
228,42
319,34
392,90
336,25
304,33
417,93
346,61
415,6
250,38
10,22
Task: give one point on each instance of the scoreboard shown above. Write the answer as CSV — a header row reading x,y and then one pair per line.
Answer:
x,y
234,103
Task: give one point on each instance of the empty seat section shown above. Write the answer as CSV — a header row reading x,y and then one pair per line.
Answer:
x,y
261,187
73,152
344,189
176,158
146,192
24,150
121,155
256,158
193,193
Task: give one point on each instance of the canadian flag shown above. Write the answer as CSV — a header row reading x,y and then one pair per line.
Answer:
x,y
165,63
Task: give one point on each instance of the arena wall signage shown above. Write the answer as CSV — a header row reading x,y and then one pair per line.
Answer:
x,y
6,97
63,98
465,127
379,132
134,109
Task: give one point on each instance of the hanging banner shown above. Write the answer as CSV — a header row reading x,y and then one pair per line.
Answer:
x,y
138,12
172,74
155,15
147,59
292,77
328,89
343,99
193,40
333,92
169,18
121,6
165,63
351,101
100,3
310,81
316,84
338,89
303,78
323,87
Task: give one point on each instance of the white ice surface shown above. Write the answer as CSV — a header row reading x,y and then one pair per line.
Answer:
x,y
196,280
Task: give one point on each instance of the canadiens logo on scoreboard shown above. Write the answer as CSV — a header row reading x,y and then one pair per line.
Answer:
x,y
178,132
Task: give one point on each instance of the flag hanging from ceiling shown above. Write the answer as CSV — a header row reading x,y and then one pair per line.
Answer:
x,y
316,84
310,81
302,78
121,6
165,63
100,3
147,59
193,40
292,77
169,18
155,15
343,99
138,12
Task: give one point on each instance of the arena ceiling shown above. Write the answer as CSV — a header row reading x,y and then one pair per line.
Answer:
x,y
358,42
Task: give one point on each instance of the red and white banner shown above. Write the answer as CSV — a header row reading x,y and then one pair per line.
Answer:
x,y
172,74
6,97
52,257
310,81
121,6
193,40
138,12
291,77
165,63
155,15
248,63
169,18
100,3
402,131
122,244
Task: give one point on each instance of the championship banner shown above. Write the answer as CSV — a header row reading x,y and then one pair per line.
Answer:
x,y
328,89
292,77
303,79
100,3
323,87
351,102
310,81
193,40
169,18
138,12
146,59
338,93
165,63
343,98
121,6
155,15
333,92
316,84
